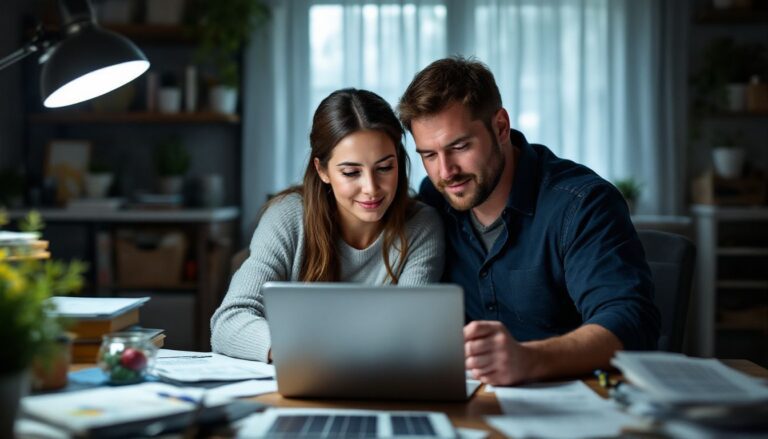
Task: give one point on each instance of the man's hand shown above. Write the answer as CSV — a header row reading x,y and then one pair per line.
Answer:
x,y
494,356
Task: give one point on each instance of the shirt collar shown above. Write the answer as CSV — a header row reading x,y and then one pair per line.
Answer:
x,y
525,187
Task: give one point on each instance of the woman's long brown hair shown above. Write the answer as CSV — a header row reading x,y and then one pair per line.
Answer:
x,y
340,114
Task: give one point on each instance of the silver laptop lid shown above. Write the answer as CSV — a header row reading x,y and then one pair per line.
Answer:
x,y
339,340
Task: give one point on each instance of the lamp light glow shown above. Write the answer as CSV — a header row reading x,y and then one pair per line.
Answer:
x,y
96,83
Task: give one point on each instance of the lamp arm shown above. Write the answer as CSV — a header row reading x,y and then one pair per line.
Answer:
x,y
39,42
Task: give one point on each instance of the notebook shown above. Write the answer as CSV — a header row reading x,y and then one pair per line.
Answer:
x,y
335,340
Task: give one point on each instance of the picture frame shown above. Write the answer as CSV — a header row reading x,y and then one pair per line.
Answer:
x,y
66,161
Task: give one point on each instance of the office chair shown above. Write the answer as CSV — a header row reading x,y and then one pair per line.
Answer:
x,y
671,258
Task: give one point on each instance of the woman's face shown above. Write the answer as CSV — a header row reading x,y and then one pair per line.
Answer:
x,y
362,172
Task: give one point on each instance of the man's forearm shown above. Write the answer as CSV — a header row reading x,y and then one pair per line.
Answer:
x,y
576,353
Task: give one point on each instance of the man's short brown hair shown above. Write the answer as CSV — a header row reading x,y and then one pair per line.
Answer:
x,y
448,80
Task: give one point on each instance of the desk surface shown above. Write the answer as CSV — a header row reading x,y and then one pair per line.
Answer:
x,y
468,414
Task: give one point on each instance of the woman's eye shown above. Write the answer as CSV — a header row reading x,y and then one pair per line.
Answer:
x,y
350,173
384,169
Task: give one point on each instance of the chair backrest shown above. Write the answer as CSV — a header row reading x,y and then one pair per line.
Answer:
x,y
671,258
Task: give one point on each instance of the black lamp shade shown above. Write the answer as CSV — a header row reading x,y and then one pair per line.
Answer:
x,y
89,63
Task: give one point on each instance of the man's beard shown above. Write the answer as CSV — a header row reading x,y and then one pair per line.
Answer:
x,y
485,183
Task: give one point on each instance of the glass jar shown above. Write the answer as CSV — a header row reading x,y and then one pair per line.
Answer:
x,y
126,357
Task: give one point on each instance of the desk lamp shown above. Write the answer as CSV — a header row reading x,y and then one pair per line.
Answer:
x,y
86,61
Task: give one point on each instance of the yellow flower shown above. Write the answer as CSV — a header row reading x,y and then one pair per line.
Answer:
x,y
15,281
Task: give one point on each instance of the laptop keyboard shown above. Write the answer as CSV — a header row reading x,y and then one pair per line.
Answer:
x,y
322,426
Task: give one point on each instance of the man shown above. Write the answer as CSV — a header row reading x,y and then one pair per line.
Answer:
x,y
554,275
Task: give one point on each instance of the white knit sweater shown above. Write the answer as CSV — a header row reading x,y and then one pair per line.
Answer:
x,y
238,327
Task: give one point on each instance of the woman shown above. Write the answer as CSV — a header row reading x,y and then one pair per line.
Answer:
x,y
351,220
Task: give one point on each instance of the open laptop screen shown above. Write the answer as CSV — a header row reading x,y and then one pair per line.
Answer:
x,y
340,340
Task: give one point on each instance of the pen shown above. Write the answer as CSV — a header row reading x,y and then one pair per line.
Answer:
x,y
183,398
185,356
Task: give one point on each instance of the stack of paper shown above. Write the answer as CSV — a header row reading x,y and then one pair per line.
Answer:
x,y
186,366
695,397
677,379
557,410
23,245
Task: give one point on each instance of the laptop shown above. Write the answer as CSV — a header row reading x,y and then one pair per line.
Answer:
x,y
336,340
318,423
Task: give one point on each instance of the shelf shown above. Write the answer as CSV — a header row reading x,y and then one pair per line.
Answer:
x,y
132,117
743,284
732,16
155,33
140,32
738,114
182,287
742,251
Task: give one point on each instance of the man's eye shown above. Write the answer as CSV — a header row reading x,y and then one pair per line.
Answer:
x,y
385,169
428,155
460,147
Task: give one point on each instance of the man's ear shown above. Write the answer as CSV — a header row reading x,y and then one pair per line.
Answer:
x,y
501,126
321,172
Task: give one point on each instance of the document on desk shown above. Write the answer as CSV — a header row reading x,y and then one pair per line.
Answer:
x,y
189,366
556,410
678,379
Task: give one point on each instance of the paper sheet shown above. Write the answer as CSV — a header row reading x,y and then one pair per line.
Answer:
x,y
239,390
189,366
556,410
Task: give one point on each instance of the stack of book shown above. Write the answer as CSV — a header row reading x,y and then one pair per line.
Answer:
x,y
95,316
23,245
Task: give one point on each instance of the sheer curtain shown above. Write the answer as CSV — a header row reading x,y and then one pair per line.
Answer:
x,y
595,80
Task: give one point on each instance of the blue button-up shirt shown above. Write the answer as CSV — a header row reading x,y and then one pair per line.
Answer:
x,y
568,255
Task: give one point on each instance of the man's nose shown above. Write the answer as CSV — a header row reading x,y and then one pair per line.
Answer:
x,y
448,169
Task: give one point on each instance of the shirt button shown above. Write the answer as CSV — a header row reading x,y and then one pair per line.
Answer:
x,y
491,307
484,273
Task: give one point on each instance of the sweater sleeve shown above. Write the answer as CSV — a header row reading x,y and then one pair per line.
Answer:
x,y
238,327
426,252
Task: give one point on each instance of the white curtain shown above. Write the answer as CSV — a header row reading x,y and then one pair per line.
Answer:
x,y
598,81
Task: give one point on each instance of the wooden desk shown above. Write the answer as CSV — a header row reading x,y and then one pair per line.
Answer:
x,y
468,414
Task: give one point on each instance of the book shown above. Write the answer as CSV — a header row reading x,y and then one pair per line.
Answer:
x,y
96,316
95,308
95,328
86,350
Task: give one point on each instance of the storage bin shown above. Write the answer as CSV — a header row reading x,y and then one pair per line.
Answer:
x,y
153,264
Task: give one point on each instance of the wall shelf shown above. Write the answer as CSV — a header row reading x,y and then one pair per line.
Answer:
x,y
732,16
133,117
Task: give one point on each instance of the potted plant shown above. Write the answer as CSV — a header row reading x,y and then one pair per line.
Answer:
x,y
172,161
98,180
728,155
223,28
630,189
30,332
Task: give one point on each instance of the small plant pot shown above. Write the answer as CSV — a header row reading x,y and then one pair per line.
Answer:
x,y
728,162
171,185
223,99
97,185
